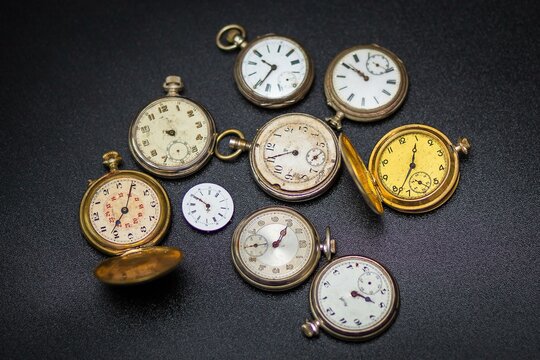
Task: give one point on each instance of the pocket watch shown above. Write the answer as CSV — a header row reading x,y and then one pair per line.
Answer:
x,y
352,298
207,207
365,83
413,168
125,213
173,136
276,248
272,71
294,157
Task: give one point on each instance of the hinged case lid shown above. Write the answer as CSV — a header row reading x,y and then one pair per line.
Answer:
x,y
138,265
360,174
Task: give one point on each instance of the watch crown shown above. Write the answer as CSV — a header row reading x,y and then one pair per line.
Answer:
x,y
329,245
463,145
112,159
335,121
310,328
173,85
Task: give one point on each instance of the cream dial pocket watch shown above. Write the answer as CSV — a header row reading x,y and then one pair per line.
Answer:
x,y
413,168
276,248
172,137
352,298
272,71
294,157
126,213
365,83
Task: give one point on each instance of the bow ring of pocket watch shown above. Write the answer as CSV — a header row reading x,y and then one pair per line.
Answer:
x,y
294,157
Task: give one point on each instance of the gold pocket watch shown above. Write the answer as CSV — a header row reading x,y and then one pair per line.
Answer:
x,y
413,168
173,136
352,298
294,157
272,71
276,248
125,213
365,83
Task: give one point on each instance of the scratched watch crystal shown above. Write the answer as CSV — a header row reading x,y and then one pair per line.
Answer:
x,y
365,83
173,136
414,168
294,157
126,213
352,298
276,248
271,71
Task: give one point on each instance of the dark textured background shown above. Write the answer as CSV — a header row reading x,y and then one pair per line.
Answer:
x,y
73,76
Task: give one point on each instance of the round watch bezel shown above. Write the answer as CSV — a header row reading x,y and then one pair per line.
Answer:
x,y
284,283
107,247
298,94
353,113
174,172
286,195
345,334
431,201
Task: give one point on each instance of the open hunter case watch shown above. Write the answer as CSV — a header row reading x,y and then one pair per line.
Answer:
x,y
125,213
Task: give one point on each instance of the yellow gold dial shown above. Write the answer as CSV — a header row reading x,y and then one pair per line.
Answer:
x,y
413,165
413,168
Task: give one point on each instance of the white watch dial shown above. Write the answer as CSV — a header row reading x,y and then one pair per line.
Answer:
x,y
366,79
207,207
355,294
274,67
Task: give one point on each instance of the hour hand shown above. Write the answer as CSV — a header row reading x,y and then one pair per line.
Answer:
x,y
364,76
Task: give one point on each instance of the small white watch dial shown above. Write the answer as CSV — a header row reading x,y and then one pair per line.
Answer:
x,y
366,79
207,207
274,67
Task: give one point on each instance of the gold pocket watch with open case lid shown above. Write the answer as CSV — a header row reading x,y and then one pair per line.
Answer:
x,y
126,213
353,298
276,248
365,83
413,168
272,71
293,157
172,137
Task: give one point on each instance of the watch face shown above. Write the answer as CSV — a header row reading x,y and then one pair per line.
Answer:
x,y
275,246
274,67
171,134
413,164
295,153
366,83
355,295
207,207
125,210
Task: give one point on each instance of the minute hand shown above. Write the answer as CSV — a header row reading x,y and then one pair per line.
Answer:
x,y
412,165
273,67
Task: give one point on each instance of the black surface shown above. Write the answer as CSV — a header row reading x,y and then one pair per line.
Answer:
x,y
75,75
